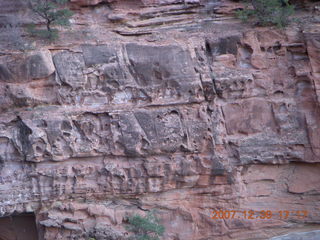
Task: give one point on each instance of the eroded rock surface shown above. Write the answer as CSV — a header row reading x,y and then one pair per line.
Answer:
x,y
162,107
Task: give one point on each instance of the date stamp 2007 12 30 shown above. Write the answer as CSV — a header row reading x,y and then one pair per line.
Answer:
x,y
263,214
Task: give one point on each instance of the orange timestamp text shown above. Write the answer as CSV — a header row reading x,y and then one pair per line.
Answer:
x,y
253,214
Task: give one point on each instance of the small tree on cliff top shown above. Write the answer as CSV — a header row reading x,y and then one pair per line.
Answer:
x,y
52,12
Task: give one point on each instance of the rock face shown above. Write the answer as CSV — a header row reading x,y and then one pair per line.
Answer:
x,y
301,236
163,110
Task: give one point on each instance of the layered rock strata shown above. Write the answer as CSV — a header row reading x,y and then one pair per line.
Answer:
x,y
179,108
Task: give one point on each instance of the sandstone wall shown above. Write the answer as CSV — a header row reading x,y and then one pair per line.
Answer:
x,y
167,105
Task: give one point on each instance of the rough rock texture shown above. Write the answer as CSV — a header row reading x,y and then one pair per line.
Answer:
x,y
174,106
314,235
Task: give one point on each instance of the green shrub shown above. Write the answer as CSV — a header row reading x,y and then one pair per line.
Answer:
x,y
145,228
43,33
52,13
268,12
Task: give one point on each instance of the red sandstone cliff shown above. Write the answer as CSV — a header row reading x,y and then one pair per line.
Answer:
x,y
165,104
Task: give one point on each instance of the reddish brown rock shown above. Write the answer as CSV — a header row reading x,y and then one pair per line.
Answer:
x,y
248,117
88,2
172,106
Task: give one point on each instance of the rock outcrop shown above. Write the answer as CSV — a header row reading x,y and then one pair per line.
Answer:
x,y
179,108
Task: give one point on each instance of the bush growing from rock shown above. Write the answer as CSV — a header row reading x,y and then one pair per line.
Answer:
x,y
52,13
145,228
268,12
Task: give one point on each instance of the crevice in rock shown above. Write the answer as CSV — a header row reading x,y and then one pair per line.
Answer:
x,y
18,227
23,136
